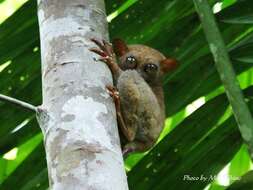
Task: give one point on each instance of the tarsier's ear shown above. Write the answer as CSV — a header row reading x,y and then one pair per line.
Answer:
x,y
119,46
168,64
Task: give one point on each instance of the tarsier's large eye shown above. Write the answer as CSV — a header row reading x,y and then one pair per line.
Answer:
x,y
131,62
150,67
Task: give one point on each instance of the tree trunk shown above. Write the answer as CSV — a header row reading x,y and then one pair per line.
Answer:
x,y
77,116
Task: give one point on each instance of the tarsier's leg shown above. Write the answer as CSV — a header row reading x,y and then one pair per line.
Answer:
x,y
105,50
128,133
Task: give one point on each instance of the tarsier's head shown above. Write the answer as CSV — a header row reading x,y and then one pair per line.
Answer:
x,y
150,63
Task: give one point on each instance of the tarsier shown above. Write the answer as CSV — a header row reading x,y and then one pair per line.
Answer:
x,y
137,72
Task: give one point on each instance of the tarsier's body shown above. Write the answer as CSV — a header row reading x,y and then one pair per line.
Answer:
x,y
137,91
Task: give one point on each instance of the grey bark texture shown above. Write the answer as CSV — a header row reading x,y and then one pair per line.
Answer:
x,y
77,116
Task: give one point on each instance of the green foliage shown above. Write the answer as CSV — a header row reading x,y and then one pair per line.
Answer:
x,y
241,163
201,143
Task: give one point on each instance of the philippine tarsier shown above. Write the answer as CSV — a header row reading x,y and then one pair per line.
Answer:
x,y
137,92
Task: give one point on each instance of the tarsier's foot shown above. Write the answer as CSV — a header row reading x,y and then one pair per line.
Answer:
x,y
105,50
126,132
115,95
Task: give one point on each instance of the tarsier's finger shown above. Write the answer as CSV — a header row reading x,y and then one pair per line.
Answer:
x,y
108,47
98,43
99,52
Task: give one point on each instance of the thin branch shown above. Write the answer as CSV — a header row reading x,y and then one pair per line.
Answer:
x,y
18,103
226,72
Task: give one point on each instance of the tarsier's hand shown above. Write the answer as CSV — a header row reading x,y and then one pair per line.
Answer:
x,y
105,50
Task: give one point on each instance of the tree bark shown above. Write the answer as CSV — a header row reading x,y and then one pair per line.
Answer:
x,y
77,116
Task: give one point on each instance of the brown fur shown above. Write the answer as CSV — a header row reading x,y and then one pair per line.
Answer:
x,y
142,101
